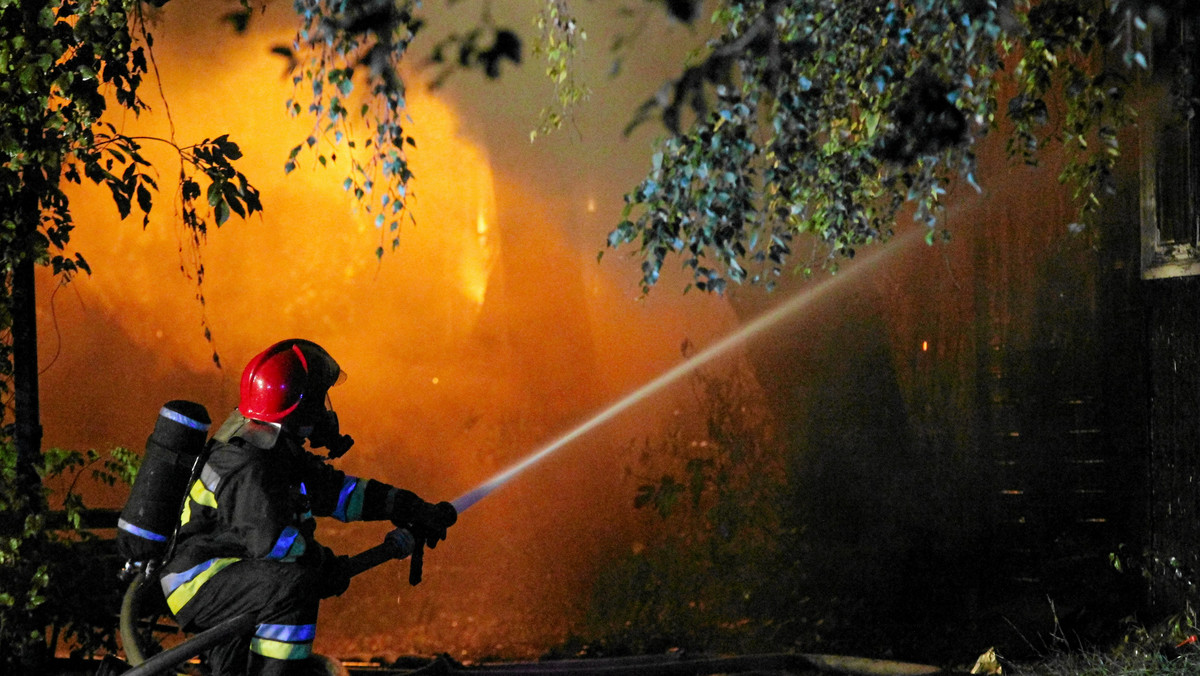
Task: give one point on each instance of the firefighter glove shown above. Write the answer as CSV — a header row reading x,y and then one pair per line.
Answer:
x,y
428,522
402,542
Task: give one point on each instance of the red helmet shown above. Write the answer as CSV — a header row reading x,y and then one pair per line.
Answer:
x,y
276,381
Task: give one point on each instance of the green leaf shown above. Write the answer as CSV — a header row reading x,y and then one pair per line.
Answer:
x,y
234,199
221,212
214,193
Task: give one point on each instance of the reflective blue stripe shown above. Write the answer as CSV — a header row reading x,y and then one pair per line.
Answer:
x,y
284,543
299,546
182,419
172,581
308,512
140,532
287,632
350,500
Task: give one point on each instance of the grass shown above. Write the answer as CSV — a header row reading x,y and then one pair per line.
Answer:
x,y
1171,649
1101,664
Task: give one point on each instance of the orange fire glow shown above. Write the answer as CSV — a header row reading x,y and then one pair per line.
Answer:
x,y
484,334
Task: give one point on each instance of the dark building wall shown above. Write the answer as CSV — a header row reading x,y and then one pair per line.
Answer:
x,y
972,420
1174,438
1080,436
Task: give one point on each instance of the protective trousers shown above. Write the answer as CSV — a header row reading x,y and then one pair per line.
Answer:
x,y
280,596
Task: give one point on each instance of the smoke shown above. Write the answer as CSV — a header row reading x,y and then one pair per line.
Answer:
x,y
489,331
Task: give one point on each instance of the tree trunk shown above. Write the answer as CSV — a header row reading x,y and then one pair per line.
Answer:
x,y
27,430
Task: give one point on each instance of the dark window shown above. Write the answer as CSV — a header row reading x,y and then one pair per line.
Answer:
x,y
1171,156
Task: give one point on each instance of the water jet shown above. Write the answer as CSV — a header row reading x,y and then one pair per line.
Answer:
x,y
758,325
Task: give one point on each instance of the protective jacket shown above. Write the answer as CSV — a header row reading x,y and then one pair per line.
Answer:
x,y
256,499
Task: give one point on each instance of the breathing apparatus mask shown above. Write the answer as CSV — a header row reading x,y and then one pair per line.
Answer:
x,y
325,433
322,430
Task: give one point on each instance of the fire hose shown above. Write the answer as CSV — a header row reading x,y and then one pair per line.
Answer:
x,y
397,544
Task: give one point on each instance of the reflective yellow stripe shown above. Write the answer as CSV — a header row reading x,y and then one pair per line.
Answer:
x,y
280,650
184,592
202,495
199,494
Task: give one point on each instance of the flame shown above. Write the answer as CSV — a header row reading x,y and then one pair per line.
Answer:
x,y
475,269
482,336
313,243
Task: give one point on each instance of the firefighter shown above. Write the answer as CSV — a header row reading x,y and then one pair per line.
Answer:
x,y
246,540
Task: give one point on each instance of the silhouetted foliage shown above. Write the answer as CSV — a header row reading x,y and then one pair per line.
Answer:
x,y
821,118
64,63
711,582
825,118
58,576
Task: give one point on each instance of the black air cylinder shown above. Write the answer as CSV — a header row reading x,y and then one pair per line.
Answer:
x,y
150,514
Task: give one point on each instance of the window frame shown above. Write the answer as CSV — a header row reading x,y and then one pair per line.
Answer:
x,y
1162,257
